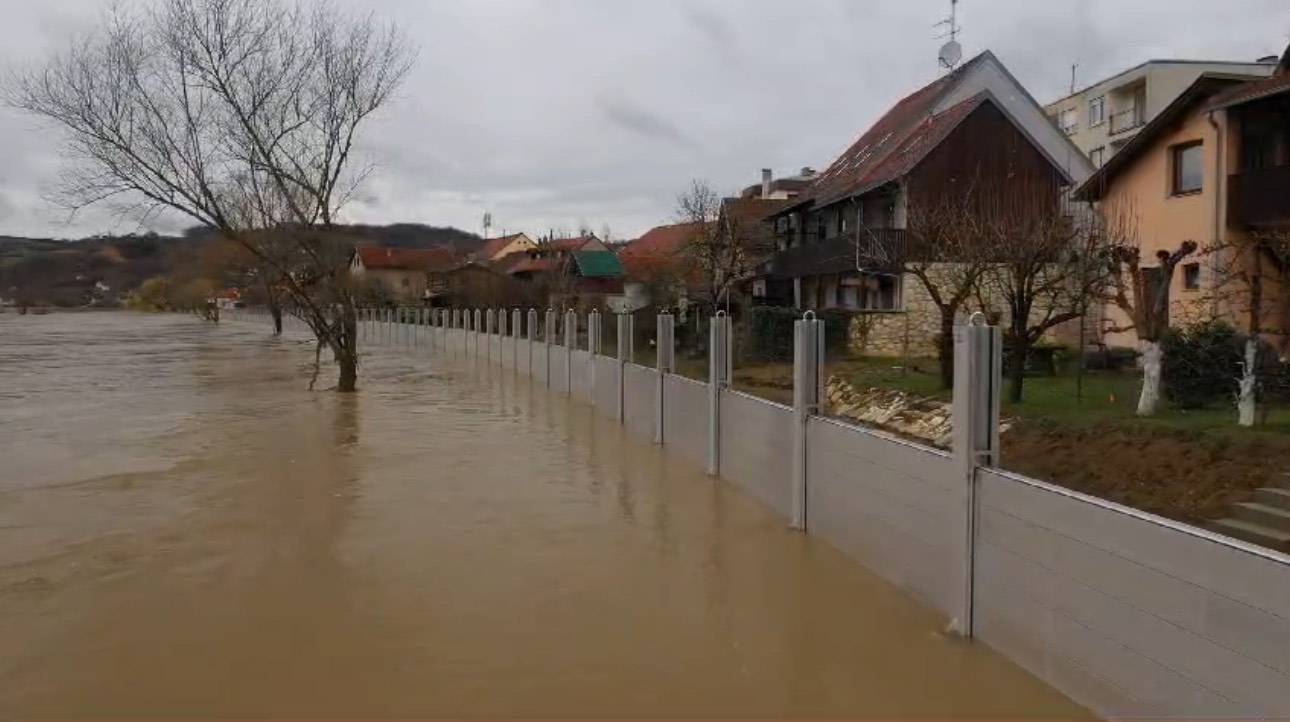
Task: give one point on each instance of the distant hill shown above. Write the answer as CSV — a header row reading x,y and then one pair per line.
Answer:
x,y
97,270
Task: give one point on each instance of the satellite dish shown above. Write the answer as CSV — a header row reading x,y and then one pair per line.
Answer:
x,y
951,54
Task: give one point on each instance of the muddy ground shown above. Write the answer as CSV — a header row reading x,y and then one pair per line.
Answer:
x,y
1185,475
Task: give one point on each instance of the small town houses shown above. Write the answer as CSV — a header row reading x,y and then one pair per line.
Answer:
x,y
1200,151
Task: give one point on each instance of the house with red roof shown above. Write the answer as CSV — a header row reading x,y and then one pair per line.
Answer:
x,y
841,241
580,271
495,249
402,273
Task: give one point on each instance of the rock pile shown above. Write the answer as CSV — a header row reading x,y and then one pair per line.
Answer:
x,y
927,420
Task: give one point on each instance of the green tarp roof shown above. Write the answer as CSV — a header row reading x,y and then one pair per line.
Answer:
x,y
598,264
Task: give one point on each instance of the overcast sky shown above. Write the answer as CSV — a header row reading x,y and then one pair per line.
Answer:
x,y
560,113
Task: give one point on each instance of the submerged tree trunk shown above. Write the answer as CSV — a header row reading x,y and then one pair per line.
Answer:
x,y
1152,356
275,311
1246,402
346,349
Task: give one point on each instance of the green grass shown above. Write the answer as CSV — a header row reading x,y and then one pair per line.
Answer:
x,y
1100,398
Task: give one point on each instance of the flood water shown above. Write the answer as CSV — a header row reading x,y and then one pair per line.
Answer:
x,y
186,531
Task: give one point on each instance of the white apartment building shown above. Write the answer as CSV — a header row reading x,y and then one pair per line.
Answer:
x,y
1101,118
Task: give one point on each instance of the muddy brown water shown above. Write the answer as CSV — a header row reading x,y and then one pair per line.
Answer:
x,y
186,531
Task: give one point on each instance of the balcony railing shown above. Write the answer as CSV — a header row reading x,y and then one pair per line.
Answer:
x,y
873,249
1127,119
1259,198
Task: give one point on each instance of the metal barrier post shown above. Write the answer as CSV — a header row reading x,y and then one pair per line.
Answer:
x,y
490,318
517,323
978,364
665,361
531,328
624,355
808,400
548,335
570,343
718,378
479,321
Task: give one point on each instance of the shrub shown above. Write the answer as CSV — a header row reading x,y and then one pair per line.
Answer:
x,y
1201,363
768,332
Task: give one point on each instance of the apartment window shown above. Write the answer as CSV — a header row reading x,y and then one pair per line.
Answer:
x,y
1068,121
1191,276
1097,111
1188,162
1097,157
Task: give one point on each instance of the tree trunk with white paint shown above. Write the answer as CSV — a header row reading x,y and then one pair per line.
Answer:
x,y
1245,399
1152,356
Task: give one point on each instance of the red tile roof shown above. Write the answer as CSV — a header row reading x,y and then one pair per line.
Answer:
x,y
425,259
528,264
570,244
747,213
657,252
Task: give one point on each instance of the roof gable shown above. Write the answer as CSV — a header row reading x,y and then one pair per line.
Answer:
x,y
914,126
493,248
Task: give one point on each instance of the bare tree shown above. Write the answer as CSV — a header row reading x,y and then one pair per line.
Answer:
x,y
1142,294
1251,276
722,248
239,114
1048,263
946,253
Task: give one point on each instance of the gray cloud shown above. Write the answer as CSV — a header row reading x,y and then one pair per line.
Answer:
x,y
552,112
626,114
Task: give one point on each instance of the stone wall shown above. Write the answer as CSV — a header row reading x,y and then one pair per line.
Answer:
x,y
912,331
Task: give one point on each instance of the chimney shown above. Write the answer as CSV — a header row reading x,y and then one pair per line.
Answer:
x,y
765,182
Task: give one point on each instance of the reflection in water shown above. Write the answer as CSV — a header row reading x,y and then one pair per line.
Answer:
x,y
186,531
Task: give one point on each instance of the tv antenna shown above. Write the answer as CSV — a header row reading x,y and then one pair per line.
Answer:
x,y
951,52
488,223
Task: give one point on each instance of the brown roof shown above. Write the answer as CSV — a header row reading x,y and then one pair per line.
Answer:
x,y
893,147
528,264
659,250
857,168
747,212
425,259
494,246
570,244
1256,90
1207,85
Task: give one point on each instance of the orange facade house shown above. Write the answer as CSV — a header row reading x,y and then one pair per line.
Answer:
x,y
1212,168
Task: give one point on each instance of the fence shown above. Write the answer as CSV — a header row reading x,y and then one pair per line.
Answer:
x,y
1128,613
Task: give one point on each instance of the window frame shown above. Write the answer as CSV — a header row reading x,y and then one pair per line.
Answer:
x,y
1100,158
1191,276
1100,102
1073,113
1176,152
